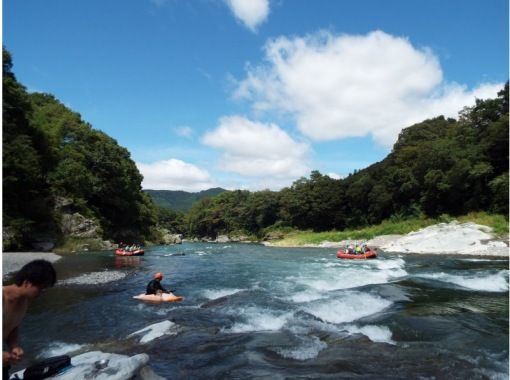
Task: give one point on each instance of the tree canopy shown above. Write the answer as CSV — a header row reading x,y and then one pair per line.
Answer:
x,y
438,166
49,151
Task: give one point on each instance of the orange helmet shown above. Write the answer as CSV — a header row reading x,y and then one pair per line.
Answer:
x,y
158,275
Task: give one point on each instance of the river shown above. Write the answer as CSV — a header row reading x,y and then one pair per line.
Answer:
x,y
256,312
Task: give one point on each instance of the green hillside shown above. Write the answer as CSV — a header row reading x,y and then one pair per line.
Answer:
x,y
180,200
50,153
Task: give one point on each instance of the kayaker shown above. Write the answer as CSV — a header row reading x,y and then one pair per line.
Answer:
x,y
155,287
29,283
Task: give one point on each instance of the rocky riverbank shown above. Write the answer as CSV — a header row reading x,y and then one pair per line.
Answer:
x,y
449,238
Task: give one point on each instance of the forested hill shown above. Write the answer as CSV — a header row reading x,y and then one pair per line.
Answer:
x,y
56,166
51,157
180,200
439,166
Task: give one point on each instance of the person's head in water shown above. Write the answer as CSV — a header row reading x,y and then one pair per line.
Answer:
x,y
158,276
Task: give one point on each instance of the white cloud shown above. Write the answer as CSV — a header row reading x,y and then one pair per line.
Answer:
x,y
339,86
250,12
334,175
184,131
254,149
174,175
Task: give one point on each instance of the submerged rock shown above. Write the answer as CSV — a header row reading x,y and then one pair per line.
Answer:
x,y
155,331
100,365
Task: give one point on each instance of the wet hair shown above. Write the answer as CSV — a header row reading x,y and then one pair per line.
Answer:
x,y
38,272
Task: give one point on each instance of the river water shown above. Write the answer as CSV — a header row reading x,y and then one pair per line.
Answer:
x,y
255,312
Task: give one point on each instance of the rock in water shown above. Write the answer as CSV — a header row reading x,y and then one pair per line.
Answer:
x,y
106,366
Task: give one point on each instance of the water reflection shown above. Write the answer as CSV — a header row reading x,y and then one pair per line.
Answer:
x,y
127,261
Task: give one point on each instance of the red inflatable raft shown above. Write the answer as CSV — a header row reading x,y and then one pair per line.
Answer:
x,y
341,254
123,252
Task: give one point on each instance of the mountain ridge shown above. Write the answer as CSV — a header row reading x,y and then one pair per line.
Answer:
x,y
180,200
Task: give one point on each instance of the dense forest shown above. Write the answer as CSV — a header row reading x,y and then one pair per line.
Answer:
x,y
179,200
50,152
439,166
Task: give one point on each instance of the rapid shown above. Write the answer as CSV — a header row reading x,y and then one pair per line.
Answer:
x,y
256,312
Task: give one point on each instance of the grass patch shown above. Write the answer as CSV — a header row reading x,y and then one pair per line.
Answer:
x,y
72,244
498,223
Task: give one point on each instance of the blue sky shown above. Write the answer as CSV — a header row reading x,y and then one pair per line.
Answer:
x,y
254,94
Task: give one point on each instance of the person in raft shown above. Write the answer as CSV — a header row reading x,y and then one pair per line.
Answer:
x,y
29,283
155,287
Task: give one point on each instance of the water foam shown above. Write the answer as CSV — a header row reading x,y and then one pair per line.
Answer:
x,y
308,349
374,333
156,330
353,275
256,319
59,348
215,294
348,307
306,296
497,282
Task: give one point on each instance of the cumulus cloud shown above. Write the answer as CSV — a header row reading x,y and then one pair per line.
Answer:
x,y
339,86
174,175
250,12
254,149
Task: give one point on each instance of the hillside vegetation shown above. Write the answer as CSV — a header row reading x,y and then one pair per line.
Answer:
x,y
180,200
49,152
437,168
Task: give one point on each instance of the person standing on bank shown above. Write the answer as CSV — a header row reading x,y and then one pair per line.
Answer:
x,y
155,287
29,283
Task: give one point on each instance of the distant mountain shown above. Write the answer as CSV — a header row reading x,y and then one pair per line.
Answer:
x,y
180,200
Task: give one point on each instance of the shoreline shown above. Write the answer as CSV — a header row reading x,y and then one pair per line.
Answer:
x,y
13,261
443,238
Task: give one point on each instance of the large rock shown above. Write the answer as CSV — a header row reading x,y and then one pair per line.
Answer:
x,y
451,238
100,365
169,238
76,225
223,239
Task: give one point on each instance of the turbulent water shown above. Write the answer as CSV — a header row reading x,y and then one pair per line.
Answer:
x,y
255,312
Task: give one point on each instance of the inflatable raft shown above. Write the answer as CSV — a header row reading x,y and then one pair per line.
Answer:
x,y
164,297
341,254
123,252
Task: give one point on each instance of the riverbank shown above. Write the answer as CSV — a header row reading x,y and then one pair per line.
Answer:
x,y
450,238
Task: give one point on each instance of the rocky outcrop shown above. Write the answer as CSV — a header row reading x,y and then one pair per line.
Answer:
x,y
76,225
168,238
172,238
